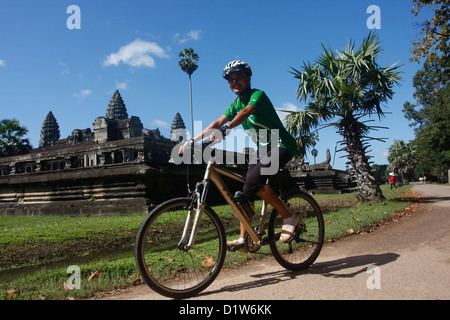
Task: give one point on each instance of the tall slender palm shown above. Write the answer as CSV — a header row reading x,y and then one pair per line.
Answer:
x,y
314,139
11,138
188,64
343,88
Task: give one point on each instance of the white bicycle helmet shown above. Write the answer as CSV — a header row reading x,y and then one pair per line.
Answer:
x,y
235,66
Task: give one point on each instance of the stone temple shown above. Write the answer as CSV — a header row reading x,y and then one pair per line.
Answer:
x,y
118,166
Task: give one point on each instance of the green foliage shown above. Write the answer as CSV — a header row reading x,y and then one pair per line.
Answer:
x,y
300,124
429,118
348,83
402,158
12,139
435,32
342,89
188,62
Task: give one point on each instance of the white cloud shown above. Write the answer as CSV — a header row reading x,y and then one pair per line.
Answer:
x,y
82,94
191,35
287,106
121,85
64,67
138,53
160,124
2,63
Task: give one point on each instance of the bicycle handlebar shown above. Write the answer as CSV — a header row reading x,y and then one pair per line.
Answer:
x,y
204,144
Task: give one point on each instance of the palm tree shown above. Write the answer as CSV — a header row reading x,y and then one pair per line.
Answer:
x,y
11,138
402,158
188,64
343,88
299,125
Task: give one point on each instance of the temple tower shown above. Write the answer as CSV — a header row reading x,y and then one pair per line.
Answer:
x,y
178,129
116,125
116,108
49,131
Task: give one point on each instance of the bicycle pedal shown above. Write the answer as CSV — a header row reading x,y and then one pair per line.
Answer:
x,y
295,235
236,247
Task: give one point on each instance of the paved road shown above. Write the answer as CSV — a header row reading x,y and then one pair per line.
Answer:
x,y
410,260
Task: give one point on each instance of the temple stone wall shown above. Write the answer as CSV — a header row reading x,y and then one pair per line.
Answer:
x,y
96,190
114,189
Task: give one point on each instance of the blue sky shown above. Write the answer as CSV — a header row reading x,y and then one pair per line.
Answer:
x,y
133,46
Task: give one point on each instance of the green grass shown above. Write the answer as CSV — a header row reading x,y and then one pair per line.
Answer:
x,y
35,251
33,240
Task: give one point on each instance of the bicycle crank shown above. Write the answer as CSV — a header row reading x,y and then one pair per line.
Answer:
x,y
250,245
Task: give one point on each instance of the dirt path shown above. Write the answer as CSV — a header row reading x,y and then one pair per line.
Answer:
x,y
408,258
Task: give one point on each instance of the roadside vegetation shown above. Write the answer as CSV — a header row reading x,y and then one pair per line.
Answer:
x,y
36,251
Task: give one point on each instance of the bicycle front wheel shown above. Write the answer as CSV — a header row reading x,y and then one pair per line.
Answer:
x,y
172,271
304,247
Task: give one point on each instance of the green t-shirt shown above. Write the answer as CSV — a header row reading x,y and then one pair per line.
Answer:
x,y
260,124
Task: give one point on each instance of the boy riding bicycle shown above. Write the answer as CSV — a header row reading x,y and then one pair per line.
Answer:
x,y
253,109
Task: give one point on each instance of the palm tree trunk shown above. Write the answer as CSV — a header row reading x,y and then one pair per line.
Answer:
x,y
190,97
368,186
404,179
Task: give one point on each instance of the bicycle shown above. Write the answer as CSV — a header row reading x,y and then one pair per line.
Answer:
x,y
181,244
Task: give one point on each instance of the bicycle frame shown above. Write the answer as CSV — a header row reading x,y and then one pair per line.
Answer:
x,y
213,174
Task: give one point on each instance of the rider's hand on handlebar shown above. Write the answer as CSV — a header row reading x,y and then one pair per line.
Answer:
x,y
187,144
220,134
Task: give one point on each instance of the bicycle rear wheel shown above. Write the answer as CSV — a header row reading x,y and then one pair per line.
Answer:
x,y
305,245
172,271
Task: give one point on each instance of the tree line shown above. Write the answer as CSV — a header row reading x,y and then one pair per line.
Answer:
x,y
428,155
429,116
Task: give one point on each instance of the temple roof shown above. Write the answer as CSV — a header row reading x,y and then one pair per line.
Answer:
x,y
178,129
116,108
177,123
49,131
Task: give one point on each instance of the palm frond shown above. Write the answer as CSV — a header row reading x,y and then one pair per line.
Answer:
x,y
188,63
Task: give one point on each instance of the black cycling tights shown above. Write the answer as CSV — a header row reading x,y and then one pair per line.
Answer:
x,y
256,179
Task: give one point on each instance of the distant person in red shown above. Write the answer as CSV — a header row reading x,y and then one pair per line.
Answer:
x,y
392,180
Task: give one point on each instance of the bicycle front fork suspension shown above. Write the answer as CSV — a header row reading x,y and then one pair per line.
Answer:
x,y
192,223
